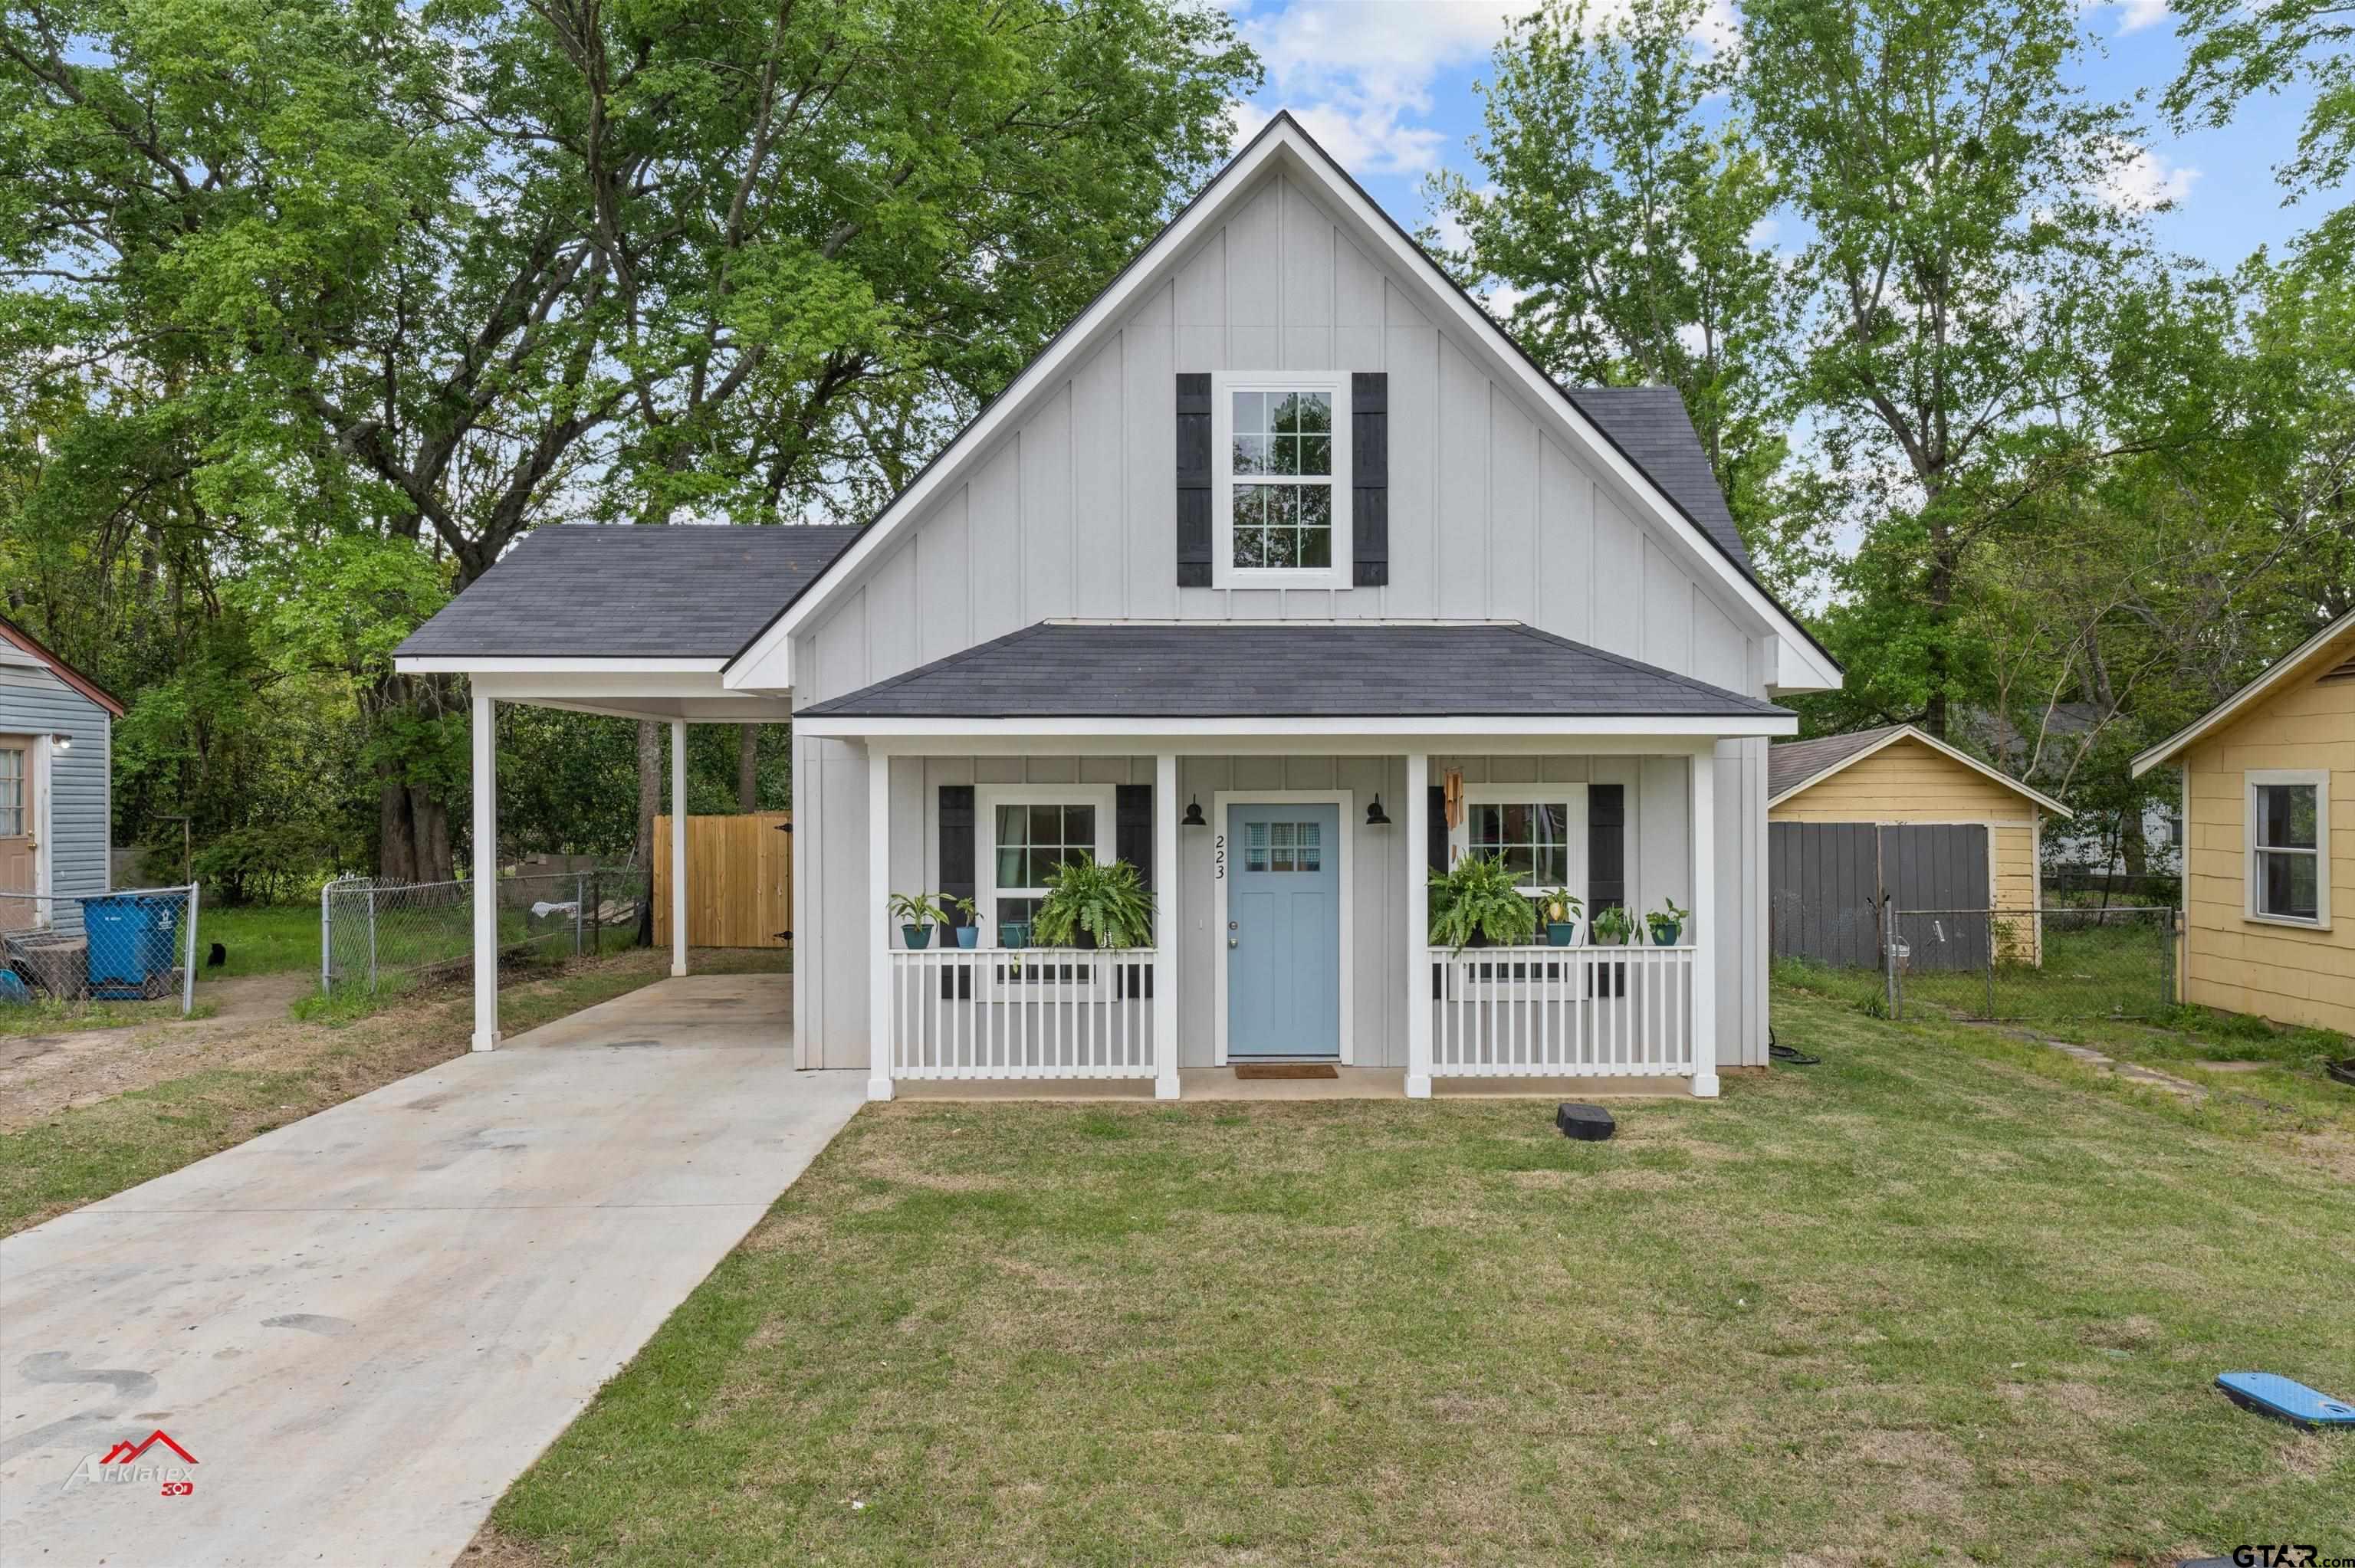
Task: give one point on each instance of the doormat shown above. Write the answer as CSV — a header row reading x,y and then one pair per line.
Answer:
x,y
1287,1070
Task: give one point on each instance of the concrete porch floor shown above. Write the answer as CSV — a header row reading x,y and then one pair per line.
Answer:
x,y
1220,1084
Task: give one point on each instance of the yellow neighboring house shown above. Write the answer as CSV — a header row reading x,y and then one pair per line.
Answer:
x,y
2269,812
1898,776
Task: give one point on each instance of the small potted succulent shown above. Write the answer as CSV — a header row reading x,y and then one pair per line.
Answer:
x,y
1613,926
1562,910
918,912
968,935
1667,923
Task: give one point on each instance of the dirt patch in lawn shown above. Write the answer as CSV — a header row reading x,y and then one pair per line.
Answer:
x,y
41,1075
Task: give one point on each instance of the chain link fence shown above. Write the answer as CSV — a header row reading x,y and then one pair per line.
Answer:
x,y
2009,965
376,936
138,944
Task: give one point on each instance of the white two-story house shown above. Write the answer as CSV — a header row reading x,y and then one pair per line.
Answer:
x,y
1283,575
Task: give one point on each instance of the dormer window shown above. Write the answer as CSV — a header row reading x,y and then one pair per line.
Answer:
x,y
1281,508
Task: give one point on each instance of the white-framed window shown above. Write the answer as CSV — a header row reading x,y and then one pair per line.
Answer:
x,y
15,778
2288,838
1539,829
1023,832
1280,497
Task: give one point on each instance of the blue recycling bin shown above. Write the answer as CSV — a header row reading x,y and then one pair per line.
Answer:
x,y
131,944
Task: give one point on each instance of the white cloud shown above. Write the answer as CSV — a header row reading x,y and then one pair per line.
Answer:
x,y
2133,16
2147,180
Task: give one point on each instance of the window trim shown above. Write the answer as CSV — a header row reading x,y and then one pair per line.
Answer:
x,y
988,798
1572,797
1224,573
2318,780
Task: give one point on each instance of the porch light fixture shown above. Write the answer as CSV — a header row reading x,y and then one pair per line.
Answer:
x,y
1375,816
1193,817
62,742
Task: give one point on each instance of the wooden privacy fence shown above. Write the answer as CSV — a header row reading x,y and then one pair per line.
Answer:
x,y
740,880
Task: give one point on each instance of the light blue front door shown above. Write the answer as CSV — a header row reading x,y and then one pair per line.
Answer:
x,y
1283,931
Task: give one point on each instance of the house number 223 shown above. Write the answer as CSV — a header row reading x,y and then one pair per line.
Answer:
x,y
1218,858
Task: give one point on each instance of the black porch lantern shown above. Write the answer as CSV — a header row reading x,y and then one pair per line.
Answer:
x,y
1375,816
1193,817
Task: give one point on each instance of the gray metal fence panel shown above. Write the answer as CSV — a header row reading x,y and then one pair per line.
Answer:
x,y
1939,866
1824,883
135,944
376,934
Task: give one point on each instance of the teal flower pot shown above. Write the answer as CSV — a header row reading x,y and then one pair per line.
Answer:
x,y
916,936
968,935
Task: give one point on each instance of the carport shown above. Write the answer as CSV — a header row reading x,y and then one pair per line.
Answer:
x,y
632,623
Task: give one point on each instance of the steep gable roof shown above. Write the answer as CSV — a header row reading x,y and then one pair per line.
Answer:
x,y
2281,670
1628,432
31,646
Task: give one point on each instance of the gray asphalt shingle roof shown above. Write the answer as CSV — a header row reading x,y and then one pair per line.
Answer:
x,y
1791,763
579,591
1649,425
1217,670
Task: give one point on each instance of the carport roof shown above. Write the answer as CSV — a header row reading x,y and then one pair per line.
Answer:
x,y
1071,670
580,591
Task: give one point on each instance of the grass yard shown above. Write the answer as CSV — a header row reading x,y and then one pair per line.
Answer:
x,y
1938,1300
2095,970
226,1087
262,939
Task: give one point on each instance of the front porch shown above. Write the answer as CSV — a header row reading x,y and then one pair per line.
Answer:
x,y
998,1021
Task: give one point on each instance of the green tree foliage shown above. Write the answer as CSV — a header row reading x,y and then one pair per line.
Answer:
x,y
2237,50
315,305
1624,225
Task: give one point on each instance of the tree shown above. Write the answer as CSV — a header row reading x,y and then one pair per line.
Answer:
x,y
465,268
1953,294
2236,48
1622,224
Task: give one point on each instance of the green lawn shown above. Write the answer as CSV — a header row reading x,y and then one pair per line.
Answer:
x,y
262,939
2096,970
1946,1297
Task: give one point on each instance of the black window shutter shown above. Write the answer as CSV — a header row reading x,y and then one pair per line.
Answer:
x,y
1606,848
1369,501
1132,831
956,874
1194,480
1436,835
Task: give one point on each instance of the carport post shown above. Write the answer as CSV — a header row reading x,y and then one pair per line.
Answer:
x,y
1418,925
1165,924
679,846
486,877
1704,920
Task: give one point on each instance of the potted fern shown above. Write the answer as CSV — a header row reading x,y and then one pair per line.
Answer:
x,y
1667,923
1562,910
1614,925
1479,896
1104,901
918,912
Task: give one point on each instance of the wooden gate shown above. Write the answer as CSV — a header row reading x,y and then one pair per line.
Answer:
x,y
740,880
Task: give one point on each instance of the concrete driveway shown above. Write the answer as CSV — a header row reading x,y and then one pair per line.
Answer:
x,y
363,1326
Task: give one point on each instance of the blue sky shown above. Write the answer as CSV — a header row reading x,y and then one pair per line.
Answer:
x,y
1386,85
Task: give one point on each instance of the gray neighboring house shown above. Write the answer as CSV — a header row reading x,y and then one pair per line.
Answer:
x,y
56,747
1283,574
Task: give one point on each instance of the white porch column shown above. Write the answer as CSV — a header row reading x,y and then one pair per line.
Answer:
x,y
1418,927
487,875
1165,925
679,846
878,922
1704,921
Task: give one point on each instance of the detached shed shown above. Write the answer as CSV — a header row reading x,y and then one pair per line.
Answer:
x,y
1853,818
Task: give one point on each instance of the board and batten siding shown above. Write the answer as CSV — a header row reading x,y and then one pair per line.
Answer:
x,y
1906,782
1072,514
2281,972
33,700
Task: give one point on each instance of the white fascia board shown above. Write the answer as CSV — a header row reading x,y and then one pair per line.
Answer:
x,y
1804,666
1474,727
524,686
1907,732
485,664
766,666
2222,713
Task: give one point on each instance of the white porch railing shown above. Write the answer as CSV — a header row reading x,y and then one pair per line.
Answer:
x,y
1561,1012
1028,1013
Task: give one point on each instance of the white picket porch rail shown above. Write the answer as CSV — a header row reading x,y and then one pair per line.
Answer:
x,y
1029,1013
1561,1012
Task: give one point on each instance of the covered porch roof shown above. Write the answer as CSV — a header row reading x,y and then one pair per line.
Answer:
x,y
1291,679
